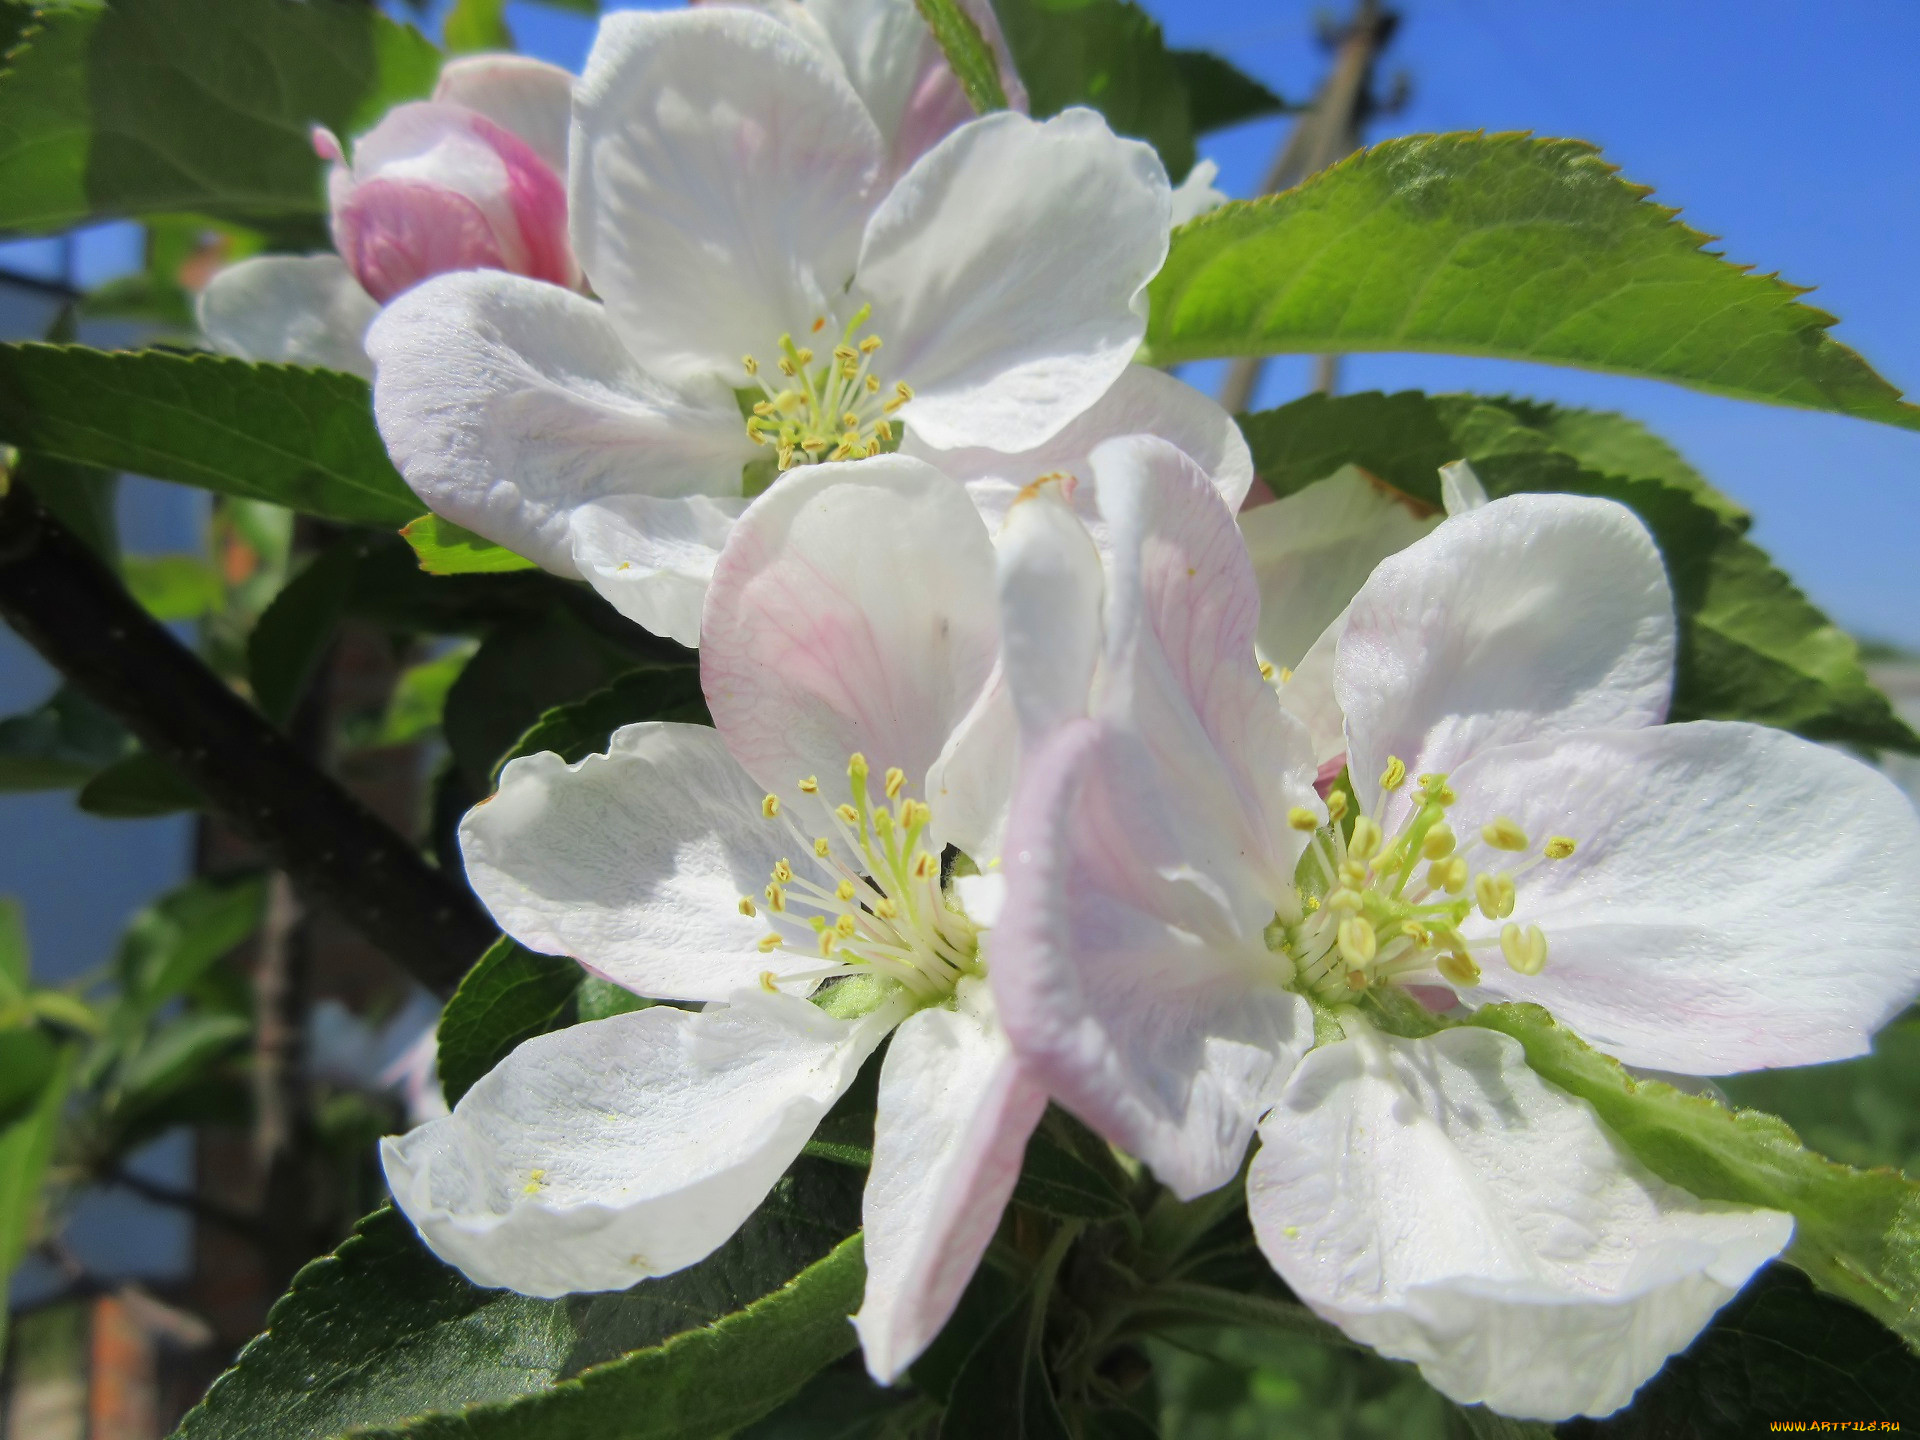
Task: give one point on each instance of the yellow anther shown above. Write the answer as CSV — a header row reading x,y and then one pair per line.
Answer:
x,y
767,982
852,422
1285,674
883,430
903,390
857,768
814,444
1358,943
783,872
1353,873
1395,775
1301,818
918,813
787,367
1337,806
1312,903
1345,899
1494,895
770,806
769,943
870,344
827,937
536,1182
821,847
1448,875
1266,670
844,927
1559,847
803,355
1416,932
1356,981
848,814
763,409
886,909
1364,843
1439,842
1504,834
1438,792
896,780
810,785
817,923
786,457
753,365
883,822
747,906
845,352
873,385
843,891
776,898
1526,950
925,867
1459,968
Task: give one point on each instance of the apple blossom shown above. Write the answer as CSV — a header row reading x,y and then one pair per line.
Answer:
x,y
1185,919
732,208
472,178
851,639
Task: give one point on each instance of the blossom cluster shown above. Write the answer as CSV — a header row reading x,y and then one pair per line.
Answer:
x,y
1035,760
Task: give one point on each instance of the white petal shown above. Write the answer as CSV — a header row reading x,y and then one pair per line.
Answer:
x,y
1196,195
1182,610
722,171
949,1137
970,785
1313,550
652,558
1051,593
605,1153
507,403
852,610
1535,615
1438,1201
1143,401
292,309
1136,989
1307,694
1739,897
634,862
1460,488
1007,272
529,97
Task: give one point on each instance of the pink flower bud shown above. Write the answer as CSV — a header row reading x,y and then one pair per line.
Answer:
x,y
437,186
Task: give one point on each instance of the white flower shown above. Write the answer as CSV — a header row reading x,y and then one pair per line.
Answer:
x,y
851,635
472,178
1700,897
732,209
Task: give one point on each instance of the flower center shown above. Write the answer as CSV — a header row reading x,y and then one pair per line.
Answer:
x,y
1375,908
829,407
879,906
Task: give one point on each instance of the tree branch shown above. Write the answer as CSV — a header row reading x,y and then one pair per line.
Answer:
x,y
74,611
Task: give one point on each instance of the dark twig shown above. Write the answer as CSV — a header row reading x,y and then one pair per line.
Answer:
x,y
73,610
194,1204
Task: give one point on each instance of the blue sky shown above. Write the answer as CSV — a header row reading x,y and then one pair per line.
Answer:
x,y
1788,129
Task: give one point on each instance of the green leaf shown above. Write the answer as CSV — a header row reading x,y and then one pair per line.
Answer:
x,y
177,1055
28,1056
149,106
291,636
1107,54
1054,1179
1856,1232
173,587
476,25
64,742
1751,645
1002,1391
1778,1351
16,956
26,1147
297,437
137,788
1499,245
1219,94
967,52
420,697
692,1386
82,497
381,1333
170,944
585,727
445,548
510,995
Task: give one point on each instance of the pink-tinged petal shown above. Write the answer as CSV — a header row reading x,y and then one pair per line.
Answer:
x,y
1051,592
1534,615
1007,272
1182,613
852,610
538,198
722,172
1438,1201
1138,990
396,233
529,97
955,1111
1737,898
1143,401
